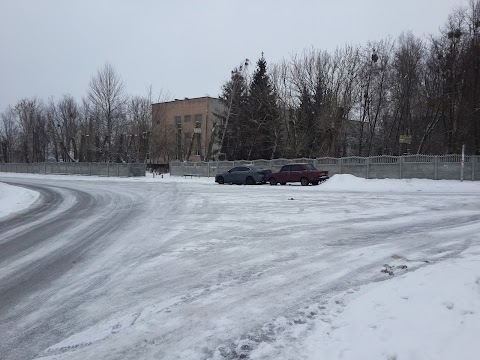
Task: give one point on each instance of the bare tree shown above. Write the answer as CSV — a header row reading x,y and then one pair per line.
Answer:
x,y
375,107
33,129
68,118
106,93
8,136
405,92
135,142
163,141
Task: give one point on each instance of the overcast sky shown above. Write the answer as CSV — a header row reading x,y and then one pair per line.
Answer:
x,y
186,48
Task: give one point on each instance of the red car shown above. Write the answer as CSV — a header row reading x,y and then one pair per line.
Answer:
x,y
302,173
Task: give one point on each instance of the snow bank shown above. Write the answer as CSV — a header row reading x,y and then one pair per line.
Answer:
x,y
345,182
432,313
14,199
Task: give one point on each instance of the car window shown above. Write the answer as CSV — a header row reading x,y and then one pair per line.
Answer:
x,y
296,168
243,168
235,169
310,167
285,168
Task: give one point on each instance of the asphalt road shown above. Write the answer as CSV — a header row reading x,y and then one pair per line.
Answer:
x,y
44,243
138,270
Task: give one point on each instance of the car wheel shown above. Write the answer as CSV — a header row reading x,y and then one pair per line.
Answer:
x,y
283,183
304,181
314,182
221,180
273,181
250,181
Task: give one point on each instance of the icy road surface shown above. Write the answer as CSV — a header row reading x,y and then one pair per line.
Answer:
x,y
126,269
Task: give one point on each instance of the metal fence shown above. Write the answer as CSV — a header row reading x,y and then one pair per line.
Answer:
x,y
446,167
77,168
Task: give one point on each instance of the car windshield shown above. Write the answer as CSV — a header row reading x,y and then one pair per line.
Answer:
x,y
310,167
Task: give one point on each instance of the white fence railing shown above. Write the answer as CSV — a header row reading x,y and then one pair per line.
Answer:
x,y
396,167
77,168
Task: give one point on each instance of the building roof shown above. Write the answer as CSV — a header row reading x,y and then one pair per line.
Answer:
x,y
187,99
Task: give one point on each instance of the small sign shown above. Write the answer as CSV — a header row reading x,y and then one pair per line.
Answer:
x,y
405,139
197,131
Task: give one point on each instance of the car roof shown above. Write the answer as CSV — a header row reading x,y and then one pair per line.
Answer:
x,y
298,164
246,165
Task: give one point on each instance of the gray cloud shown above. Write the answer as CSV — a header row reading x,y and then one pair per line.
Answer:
x,y
187,48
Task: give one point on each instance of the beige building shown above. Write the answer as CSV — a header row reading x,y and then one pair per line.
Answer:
x,y
186,130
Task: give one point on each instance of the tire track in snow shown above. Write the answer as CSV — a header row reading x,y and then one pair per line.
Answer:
x,y
72,234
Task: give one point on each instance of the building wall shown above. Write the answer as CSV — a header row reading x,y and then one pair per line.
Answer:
x,y
184,126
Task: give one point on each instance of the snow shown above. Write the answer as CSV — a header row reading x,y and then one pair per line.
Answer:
x,y
432,313
350,269
14,199
339,182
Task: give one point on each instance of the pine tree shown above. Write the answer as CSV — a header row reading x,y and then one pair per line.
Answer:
x,y
263,125
303,128
233,131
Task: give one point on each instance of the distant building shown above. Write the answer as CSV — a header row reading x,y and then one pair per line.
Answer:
x,y
186,130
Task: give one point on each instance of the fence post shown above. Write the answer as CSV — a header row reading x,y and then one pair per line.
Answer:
x,y
400,160
340,161
473,158
367,160
435,167
108,169
208,169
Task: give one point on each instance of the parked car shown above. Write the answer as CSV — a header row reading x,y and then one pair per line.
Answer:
x,y
245,174
303,173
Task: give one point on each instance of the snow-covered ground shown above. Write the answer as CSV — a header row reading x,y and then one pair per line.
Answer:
x,y
432,313
350,269
14,199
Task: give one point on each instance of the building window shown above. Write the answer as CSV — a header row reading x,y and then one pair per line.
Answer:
x,y
187,118
178,120
198,118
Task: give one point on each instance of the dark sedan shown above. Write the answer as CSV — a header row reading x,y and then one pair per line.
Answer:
x,y
245,174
